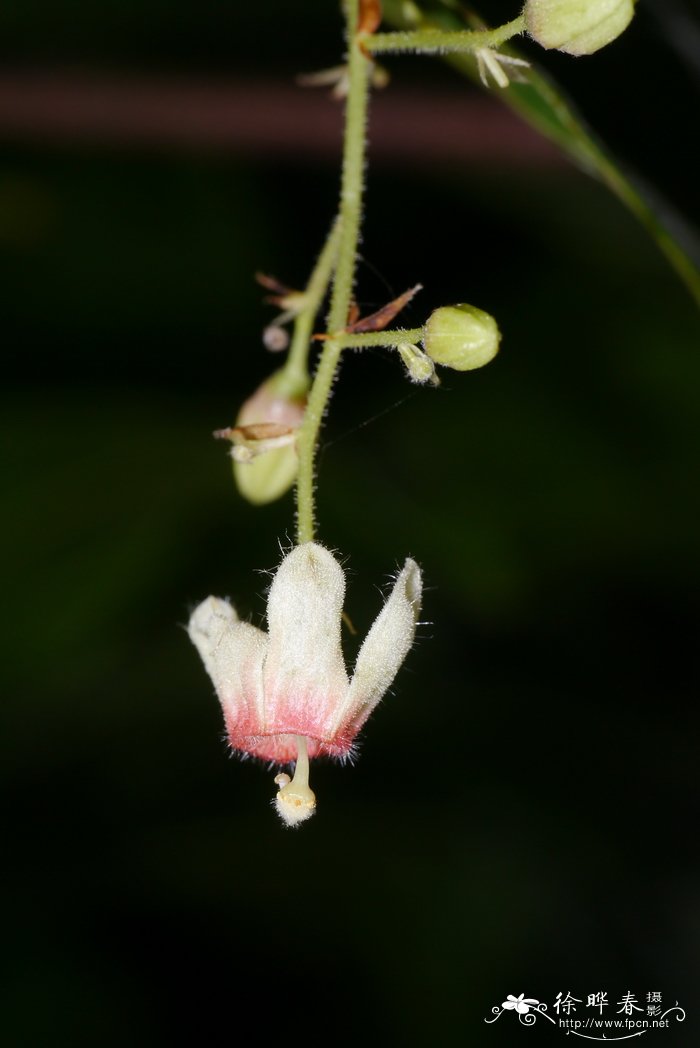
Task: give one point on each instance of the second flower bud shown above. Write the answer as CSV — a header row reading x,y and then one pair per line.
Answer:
x,y
578,27
265,461
461,337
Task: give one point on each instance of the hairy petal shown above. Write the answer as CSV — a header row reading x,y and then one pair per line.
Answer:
x,y
208,623
233,653
304,674
384,649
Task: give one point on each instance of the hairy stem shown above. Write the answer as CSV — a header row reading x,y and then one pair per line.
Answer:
x,y
437,41
391,338
349,220
293,379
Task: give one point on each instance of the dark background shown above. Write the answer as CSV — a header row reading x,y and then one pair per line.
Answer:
x,y
523,817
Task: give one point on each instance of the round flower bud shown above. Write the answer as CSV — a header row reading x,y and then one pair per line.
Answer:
x,y
265,466
578,27
461,337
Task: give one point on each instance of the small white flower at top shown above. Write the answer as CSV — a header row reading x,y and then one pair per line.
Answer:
x,y
285,693
520,1004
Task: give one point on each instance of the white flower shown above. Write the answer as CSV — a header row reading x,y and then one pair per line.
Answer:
x,y
285,693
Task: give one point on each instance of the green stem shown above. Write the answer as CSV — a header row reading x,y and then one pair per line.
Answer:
x,y
292,380
391,338
352,181
359,67
438,41
308,435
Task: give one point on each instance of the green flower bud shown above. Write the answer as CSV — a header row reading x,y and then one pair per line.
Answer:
x,y
461,337
578,27
264,454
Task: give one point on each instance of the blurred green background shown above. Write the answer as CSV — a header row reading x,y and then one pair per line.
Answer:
x,y
523,817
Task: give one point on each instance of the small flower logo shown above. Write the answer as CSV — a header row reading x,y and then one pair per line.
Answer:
x,y
520,1004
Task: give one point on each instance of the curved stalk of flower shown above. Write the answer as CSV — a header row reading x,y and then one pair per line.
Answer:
x,y
293,378
361,44
352,184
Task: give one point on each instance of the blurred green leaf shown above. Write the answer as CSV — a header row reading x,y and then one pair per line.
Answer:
x,y
539,100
